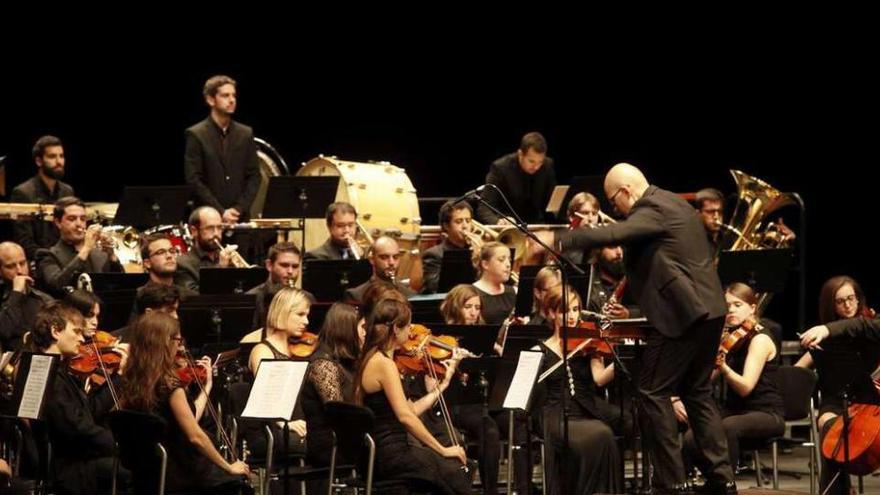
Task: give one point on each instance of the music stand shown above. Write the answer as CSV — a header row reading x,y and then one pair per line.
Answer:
x,y
524,338
593,184
284,196
149,206
328,280
426,307
456,268
117,281
764,270
37,395
218,319
118,292
214,280
525,296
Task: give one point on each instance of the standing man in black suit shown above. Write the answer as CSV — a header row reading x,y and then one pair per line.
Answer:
x,y
45,187
671,274
221,157
526,177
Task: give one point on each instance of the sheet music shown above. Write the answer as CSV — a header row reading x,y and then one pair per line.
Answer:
x,y
275,390
35,387
523,380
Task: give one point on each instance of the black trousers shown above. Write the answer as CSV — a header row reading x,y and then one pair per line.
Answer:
x,y
682,367
745,425
470,418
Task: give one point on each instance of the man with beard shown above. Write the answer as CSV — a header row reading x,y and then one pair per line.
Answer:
x,y
77,251
384,256
283,264
43,188
610,273
206,228
221,156
710,207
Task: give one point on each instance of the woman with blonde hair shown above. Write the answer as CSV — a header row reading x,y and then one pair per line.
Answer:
x,y
462,306
493,269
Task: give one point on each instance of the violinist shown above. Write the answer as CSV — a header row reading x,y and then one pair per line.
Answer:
x,y
462,306
151,384
286,322
82,449
455,221
844,314
493,266
19,301
593,456
378,387
746,361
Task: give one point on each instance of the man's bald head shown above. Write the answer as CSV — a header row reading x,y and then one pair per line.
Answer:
x,y
385,257
624,185
12,261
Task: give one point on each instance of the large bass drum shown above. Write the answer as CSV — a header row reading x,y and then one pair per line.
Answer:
x,y
386,203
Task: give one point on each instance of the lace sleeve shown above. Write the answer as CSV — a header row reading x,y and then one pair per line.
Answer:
x,y
326,376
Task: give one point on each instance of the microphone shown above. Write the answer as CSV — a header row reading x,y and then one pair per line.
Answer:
x,y
472,192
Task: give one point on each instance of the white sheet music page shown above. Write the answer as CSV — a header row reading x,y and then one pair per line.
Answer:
x,y
523,380
275,389
35,387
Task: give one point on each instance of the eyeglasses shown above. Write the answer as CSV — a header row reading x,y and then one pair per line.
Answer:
x,y
611,199
840,301
162,252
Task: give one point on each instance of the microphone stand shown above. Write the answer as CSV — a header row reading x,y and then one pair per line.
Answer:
x,y
565,264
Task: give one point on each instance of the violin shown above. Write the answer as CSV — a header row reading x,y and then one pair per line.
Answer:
x,y
864,442
735,339
423,352
304,346
187,373
97,358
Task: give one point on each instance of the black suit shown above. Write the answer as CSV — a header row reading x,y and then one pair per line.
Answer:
x,y
18,312
188,265
59,266
672,276
432,259
527,194
356,295
223,169
34,234
326,251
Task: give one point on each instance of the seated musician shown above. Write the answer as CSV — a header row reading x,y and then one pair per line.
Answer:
x,y
610,274
82,449
287,319
19,300
547,278
151,384
330,377
206,228
583,210
152,297
710,207
283,265
493,270
79,249
342,225
89,306
45,188
384,257
455,220
593,457
753,407
462,306
159,257
839,296
378,387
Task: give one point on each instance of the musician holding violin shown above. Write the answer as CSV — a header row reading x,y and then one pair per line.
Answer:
x,y
593,456
746,361
82,449
151,383
378,387
286,338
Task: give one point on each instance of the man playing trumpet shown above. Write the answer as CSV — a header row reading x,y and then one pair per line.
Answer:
x,y
342,226
206,228
79,250
456,223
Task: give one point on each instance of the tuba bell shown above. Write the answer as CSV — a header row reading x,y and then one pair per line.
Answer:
x,y
746,229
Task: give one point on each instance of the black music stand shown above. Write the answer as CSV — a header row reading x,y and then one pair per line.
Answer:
x,y
143,207
593,184
524,338
214,280
12,408
291,196
456,268
764,270
216,319
426,308
328,280
525,296
118,292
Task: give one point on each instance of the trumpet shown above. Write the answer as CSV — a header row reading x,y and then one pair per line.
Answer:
x,y
603,217
235,257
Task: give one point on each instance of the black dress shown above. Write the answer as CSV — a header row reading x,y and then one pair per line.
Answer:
x,y
593,459
326,380
497,307
396,459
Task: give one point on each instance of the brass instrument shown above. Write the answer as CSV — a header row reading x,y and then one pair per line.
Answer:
x,y
235,257
509,236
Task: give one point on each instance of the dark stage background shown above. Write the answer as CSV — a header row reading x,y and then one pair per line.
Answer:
x,y
122,123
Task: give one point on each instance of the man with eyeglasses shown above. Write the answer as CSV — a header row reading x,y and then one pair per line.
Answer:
x,y
710,207
671,272
342,227
206,228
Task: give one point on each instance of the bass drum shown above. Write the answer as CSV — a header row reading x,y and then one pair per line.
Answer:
x,y
271,164
178,235
386,203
